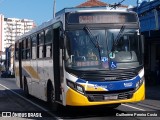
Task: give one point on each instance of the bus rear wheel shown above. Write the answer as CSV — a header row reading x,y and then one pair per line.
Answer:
x,y
26,88
51,99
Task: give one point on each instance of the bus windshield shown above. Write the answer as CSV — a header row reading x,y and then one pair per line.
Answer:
x,y
114,45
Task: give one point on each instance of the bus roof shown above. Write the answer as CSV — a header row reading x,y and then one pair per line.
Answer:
x,y
89,9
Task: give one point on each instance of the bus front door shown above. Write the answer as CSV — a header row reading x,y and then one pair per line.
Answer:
x,y
58,66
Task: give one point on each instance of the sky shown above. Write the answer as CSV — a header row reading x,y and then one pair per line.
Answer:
x,y
42,10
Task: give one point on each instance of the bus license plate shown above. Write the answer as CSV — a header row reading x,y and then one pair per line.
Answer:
x,y
113,97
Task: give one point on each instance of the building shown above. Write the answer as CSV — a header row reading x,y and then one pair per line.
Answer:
x,y
97,3
92,3
1,36
10,28
149,16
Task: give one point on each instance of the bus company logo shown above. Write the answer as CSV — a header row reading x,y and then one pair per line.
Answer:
x,y
21,115
129,84
111,86
100,86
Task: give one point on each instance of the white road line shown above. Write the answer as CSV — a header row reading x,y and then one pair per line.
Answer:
x,y
32,102
133,107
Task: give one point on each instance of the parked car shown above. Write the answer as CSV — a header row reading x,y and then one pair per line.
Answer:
x,y
6,74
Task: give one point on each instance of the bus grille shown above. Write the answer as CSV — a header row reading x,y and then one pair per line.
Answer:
x,y
109,75
110,95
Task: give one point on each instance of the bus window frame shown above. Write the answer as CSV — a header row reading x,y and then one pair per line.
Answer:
x,y
24,49
28,47
40,44
17,50
34,45
48,31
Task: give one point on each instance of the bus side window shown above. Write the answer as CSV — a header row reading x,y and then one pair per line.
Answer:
x,y
40,45
17,50
28,48
24,49
34,45
48,42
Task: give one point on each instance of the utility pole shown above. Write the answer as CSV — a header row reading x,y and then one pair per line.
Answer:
x,y
54,8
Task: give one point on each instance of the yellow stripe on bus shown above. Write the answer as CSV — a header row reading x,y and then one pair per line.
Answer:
x,y
32,72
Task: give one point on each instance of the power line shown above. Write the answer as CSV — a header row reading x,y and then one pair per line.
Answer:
x,y
116,4
54,8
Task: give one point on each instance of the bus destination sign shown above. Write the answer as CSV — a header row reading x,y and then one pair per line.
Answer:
x,y
102,19
106,17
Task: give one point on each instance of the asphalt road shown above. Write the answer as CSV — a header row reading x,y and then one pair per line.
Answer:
x,y
13,101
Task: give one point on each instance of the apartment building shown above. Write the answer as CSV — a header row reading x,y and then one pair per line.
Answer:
x,y
10,28
1,32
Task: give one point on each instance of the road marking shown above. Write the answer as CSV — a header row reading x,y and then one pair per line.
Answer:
x,y
133,107
31,102
149,106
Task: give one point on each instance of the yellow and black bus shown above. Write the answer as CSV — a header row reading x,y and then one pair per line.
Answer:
x,y
83,57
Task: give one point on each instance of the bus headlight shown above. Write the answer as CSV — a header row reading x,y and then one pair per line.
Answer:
x,y
77,87
139,83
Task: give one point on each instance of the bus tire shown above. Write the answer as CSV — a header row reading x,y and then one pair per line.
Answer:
x,y
26,88
51,99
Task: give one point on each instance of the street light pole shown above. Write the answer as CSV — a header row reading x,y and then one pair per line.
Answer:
x,y
54,8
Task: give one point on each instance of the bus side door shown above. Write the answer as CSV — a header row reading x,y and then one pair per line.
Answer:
x,y
58,65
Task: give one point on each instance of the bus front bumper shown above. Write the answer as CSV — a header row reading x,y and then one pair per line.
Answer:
x,y
74,98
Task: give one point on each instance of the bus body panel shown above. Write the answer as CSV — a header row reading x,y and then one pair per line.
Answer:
x,y
40,71
17,74
37,79
26,70
48,75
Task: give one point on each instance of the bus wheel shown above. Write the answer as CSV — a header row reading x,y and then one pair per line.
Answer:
x,y
51,99
26,88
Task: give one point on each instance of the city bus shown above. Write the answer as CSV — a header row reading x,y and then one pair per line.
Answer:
x,y
83,57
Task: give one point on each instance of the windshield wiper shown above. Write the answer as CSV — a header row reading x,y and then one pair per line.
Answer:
x,y
115,41
93,40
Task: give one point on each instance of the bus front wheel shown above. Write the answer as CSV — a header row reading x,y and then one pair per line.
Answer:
x,y
51,99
